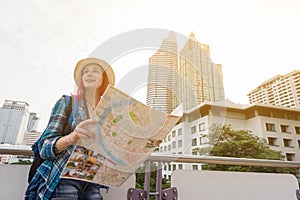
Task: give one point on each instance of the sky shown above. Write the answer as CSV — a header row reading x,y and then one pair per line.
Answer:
x,y
41,41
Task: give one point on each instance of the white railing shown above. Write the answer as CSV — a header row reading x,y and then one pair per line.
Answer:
x,y
14,178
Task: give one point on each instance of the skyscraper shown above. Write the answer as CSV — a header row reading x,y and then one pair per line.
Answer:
x,y
31,133
201,79
14,116
33,122
162,87
281,90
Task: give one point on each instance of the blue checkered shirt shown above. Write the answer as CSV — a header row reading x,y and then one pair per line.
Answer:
x,y
48,174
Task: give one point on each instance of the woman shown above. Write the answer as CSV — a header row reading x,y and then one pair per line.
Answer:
x,y
92,77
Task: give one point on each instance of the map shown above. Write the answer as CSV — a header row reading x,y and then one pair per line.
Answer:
x,y
126,134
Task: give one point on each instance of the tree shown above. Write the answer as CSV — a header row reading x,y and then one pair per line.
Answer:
x,y
22,162
224,141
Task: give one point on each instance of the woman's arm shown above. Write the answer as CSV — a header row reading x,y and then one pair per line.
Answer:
x,y
54,130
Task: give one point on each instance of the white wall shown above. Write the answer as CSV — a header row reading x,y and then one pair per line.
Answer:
x,y
214,185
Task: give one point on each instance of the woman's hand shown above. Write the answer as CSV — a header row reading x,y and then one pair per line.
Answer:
x,y
81,131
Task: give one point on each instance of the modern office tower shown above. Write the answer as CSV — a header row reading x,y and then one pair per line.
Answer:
x,y
14,117
33,122
163,75
278,125
201,79
31,133
281,90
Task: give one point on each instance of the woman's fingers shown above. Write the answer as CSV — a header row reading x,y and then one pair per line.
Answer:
x,y
85,133
87,122
82,130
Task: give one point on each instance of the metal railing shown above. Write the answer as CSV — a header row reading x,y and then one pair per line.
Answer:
x,y
171,193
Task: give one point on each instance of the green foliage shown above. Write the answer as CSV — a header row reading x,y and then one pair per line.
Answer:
x,y
226,142
22,162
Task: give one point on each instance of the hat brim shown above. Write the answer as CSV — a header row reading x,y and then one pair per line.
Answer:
x,y
104,65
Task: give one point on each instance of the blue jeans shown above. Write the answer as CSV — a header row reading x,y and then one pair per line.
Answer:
x,y
76,190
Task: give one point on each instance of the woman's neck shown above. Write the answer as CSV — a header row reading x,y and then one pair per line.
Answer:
x,y
90,97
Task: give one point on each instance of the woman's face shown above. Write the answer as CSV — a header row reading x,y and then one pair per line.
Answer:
x,y
92,76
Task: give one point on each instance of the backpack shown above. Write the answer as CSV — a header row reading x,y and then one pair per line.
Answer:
x,y
37,160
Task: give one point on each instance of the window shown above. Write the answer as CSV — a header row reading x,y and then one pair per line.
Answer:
x,y
202,127
272,141
165,167
169,168
193,129
165,148
180,152
194,142
290,156
180,166
284,129
174,144
174,167
180,131
194,152
299,143
169,137
287,142
173,133
195,167
270,127
200,141
297,130
169,147
179,143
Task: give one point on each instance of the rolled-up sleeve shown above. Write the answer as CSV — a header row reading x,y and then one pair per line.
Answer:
x,y
54,130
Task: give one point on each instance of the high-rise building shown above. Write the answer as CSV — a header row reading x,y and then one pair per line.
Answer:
x,y
281,90
162,84
201,79
14,116
33,122
31,133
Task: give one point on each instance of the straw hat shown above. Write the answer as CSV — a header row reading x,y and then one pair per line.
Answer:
x,y
84,62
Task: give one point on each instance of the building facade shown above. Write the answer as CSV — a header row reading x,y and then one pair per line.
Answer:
x,y
162,84
14,116
31,134
281,90
201,79
280,126
33,122
188,77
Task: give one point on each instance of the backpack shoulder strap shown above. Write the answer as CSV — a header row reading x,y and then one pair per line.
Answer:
x,y
69,104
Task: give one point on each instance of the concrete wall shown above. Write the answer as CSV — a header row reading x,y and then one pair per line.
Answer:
x,y
210,185
13,183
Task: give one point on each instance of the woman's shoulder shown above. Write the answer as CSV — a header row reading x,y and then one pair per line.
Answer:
x,y
60,104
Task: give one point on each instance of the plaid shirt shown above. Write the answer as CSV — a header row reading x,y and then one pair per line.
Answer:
x,y
48,174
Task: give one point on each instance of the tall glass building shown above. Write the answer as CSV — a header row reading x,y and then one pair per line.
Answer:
x,y
162,86
201,79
